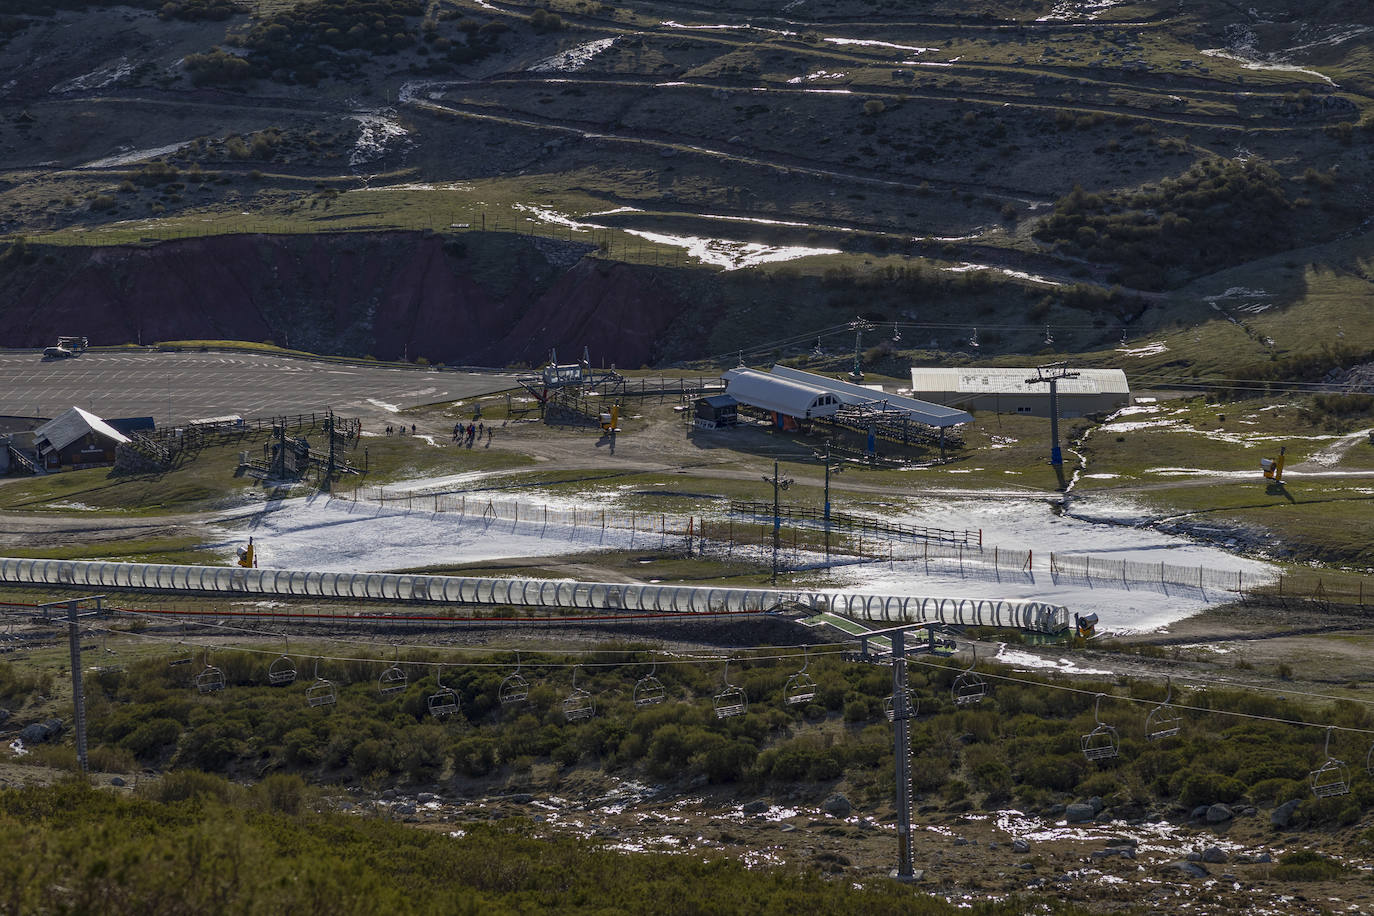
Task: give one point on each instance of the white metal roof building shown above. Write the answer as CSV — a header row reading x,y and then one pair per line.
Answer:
x,y
1006,390
76,438
852,395
779,395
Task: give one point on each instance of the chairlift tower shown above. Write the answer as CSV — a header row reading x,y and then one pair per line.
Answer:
x,y
858,325
830,468
1051,375
779,483
74,613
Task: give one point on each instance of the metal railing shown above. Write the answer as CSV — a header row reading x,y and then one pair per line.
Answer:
x,y
407,588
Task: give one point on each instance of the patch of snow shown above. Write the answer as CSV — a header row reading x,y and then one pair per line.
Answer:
x,y
1252,64
868,43
389,408
1070,10
132,156
1238,292
817,75
572,59
1019,658
97,79
730,254
1153,349
378,133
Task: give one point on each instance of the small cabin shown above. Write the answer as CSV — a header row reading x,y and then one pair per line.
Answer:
x,y
716,411
76,439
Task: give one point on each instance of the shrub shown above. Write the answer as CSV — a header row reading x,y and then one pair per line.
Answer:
x,y
874,107
1307,865
1209,788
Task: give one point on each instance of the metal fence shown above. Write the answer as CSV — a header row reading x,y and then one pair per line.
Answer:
x,y
616,597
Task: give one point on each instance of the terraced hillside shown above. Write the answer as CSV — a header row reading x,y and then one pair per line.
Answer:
x,y
1064,174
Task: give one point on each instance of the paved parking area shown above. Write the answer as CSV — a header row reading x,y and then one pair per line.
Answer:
x,y
177,387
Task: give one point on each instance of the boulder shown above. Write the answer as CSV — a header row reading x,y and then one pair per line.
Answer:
x,y
1190,869
1079,813
38,732
837,806
1020,845
758,806
1219,814
1214,855
1097,803
1283,814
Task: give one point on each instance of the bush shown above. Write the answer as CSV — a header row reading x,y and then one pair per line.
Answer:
x,y
218,67
1209,788
1306,865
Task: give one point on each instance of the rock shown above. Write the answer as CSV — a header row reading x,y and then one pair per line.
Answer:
x,y
1214,855
118,782
960,841
1079,813
1249,811
1020,845
837,806
388,794
1283,814
1263,858
1219,814
38,732
405,810
522,798
1190,869
1199,812
1126,852
1096,802
425,798
1194,856
757,806
1054,810
4,715
1121,841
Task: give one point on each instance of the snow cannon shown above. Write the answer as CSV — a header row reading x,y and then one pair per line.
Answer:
x,y
246,558
1085,625
610,422
1273,467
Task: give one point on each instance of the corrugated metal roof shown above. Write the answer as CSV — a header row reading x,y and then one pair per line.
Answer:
x,y
854,395
63,430
1004,380
771,392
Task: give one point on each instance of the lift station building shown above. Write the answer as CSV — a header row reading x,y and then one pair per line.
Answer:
x,y
1005,390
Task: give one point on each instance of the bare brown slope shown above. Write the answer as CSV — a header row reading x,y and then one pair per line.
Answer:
x,y
489,300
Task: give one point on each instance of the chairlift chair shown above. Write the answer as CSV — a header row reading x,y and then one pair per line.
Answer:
x,y
896,334
322,692
444,701
649,691
1163,721
1049,337
969,687
210,679
890,705
1332,777
732,701
1102,742
578,704
514,687
973,341
282,671
800,687
392,680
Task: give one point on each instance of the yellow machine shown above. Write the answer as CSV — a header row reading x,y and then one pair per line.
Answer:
x,y
1273,467
1085,625
246,558
610,422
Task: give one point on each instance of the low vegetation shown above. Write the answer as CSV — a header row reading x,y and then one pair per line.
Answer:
x,y
194,843
1020,746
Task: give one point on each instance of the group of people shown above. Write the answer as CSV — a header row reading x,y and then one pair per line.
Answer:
x,y
473,431
400,430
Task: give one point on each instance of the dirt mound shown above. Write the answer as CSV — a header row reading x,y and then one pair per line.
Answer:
x,y
492,300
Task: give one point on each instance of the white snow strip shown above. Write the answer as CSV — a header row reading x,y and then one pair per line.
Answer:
x,y
879,44
129,158
730,254
572,59
1018,658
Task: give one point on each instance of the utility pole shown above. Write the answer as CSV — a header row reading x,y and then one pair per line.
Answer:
x,y
779,483
858,325
1052,375
78,690
329,431
830,468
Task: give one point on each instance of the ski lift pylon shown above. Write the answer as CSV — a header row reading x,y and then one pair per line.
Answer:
x,y
514,688
322,692
578,704
649,690
1163,721
393,679
800,687
732,701
444,701
969,687
1332,777
1102,742
211,678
